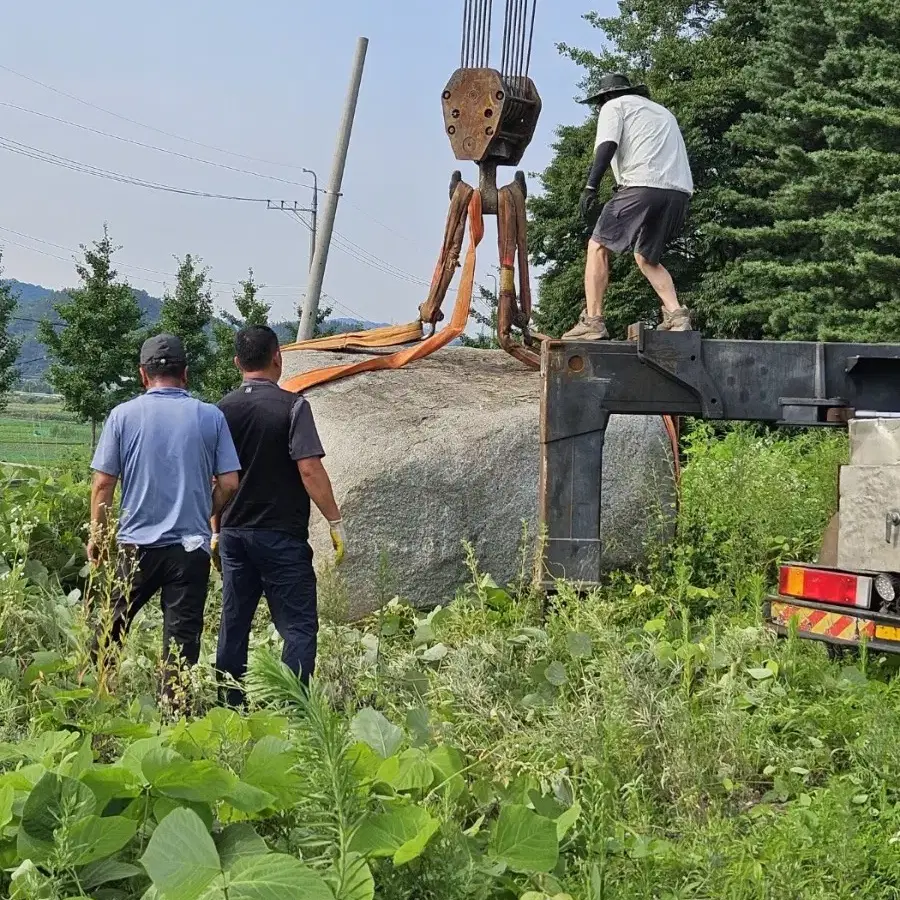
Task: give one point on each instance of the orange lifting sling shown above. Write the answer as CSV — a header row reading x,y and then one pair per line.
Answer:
x,y
465,208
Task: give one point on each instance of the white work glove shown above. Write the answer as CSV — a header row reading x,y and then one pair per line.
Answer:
x,y
338,539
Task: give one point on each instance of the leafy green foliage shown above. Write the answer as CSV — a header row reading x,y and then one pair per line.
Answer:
x,y
525,841
222,375
387,833
9,345
187,314
95,356
751,500
372,728
645,740
181,858
811,223
485,316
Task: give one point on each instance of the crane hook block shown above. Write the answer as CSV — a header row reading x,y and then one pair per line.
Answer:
x,y
489,118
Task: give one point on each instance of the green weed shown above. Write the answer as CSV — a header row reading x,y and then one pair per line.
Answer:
x,y
648,739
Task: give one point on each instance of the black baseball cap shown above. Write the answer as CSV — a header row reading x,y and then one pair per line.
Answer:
x,y
163,349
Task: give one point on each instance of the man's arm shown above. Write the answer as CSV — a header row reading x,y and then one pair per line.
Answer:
x,y
227,469
224,488
318,486
107,466
610,125
307,452
602,158
103,488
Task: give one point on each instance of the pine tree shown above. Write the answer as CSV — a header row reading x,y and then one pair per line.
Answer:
x,y
222,375
9,346
95,355
814,226
188,312
487,337
689,53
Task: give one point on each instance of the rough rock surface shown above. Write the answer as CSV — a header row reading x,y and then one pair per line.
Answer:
x,y
446,450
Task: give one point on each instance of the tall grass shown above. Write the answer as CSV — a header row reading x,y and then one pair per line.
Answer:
x,y
709,759
751,499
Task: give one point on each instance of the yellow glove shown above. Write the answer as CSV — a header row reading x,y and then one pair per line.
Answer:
x,y
338,540
214,553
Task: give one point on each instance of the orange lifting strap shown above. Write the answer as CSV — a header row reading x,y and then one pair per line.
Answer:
x,y
465,208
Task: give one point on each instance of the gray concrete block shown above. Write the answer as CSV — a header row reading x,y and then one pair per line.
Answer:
x,y
869,494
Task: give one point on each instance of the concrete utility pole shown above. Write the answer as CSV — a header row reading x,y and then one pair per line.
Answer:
x,y
313,216
329,211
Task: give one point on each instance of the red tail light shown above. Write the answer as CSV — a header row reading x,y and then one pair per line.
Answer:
x,y
825,586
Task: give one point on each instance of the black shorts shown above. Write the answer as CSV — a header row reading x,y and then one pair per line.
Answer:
x,y
642,219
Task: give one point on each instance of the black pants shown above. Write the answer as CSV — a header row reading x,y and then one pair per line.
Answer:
x,y
182,578
257,562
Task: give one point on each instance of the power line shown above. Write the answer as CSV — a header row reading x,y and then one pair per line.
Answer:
x,y
360,254
125,140
358,316
364,256
87,169
378,222
177,137
231,284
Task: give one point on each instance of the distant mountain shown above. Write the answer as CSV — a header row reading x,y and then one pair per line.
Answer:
x,y
287,331
36,302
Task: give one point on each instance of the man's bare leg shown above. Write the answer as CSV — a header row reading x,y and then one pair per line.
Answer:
x,y
596,278
675,317
590,327
661,282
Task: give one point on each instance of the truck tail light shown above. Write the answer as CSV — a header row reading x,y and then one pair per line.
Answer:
x,y
825,586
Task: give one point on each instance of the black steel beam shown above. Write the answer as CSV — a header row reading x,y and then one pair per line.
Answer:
x,y
681,374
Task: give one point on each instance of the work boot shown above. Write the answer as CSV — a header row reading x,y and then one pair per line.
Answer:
x,y
680,320
589,328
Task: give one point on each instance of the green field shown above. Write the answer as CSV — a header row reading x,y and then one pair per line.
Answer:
x,y
40,432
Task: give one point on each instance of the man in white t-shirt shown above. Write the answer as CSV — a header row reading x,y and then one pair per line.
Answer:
x,y
642,142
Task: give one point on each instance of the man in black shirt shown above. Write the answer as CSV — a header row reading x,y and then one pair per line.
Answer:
x,y
263,542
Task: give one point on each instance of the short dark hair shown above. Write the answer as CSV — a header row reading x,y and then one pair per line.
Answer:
x,y
156,370
255,346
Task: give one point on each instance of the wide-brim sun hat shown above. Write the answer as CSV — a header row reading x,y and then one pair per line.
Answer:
x,y
613,85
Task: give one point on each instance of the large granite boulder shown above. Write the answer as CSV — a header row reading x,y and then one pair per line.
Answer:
x,y
445,451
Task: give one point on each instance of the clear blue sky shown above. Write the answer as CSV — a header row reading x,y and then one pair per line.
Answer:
x,y
267,80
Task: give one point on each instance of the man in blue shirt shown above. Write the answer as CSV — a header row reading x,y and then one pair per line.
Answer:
x,y
178,467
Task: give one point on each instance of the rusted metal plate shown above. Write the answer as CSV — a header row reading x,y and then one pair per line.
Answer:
x,y
473,103
485,120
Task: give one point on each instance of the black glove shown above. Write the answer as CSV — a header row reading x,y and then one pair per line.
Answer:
x,y
588,202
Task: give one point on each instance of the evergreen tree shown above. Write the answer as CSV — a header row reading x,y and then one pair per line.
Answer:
x,y
95,355
187,313
9,346
487,338
814,224
322,328
689,53
222,375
